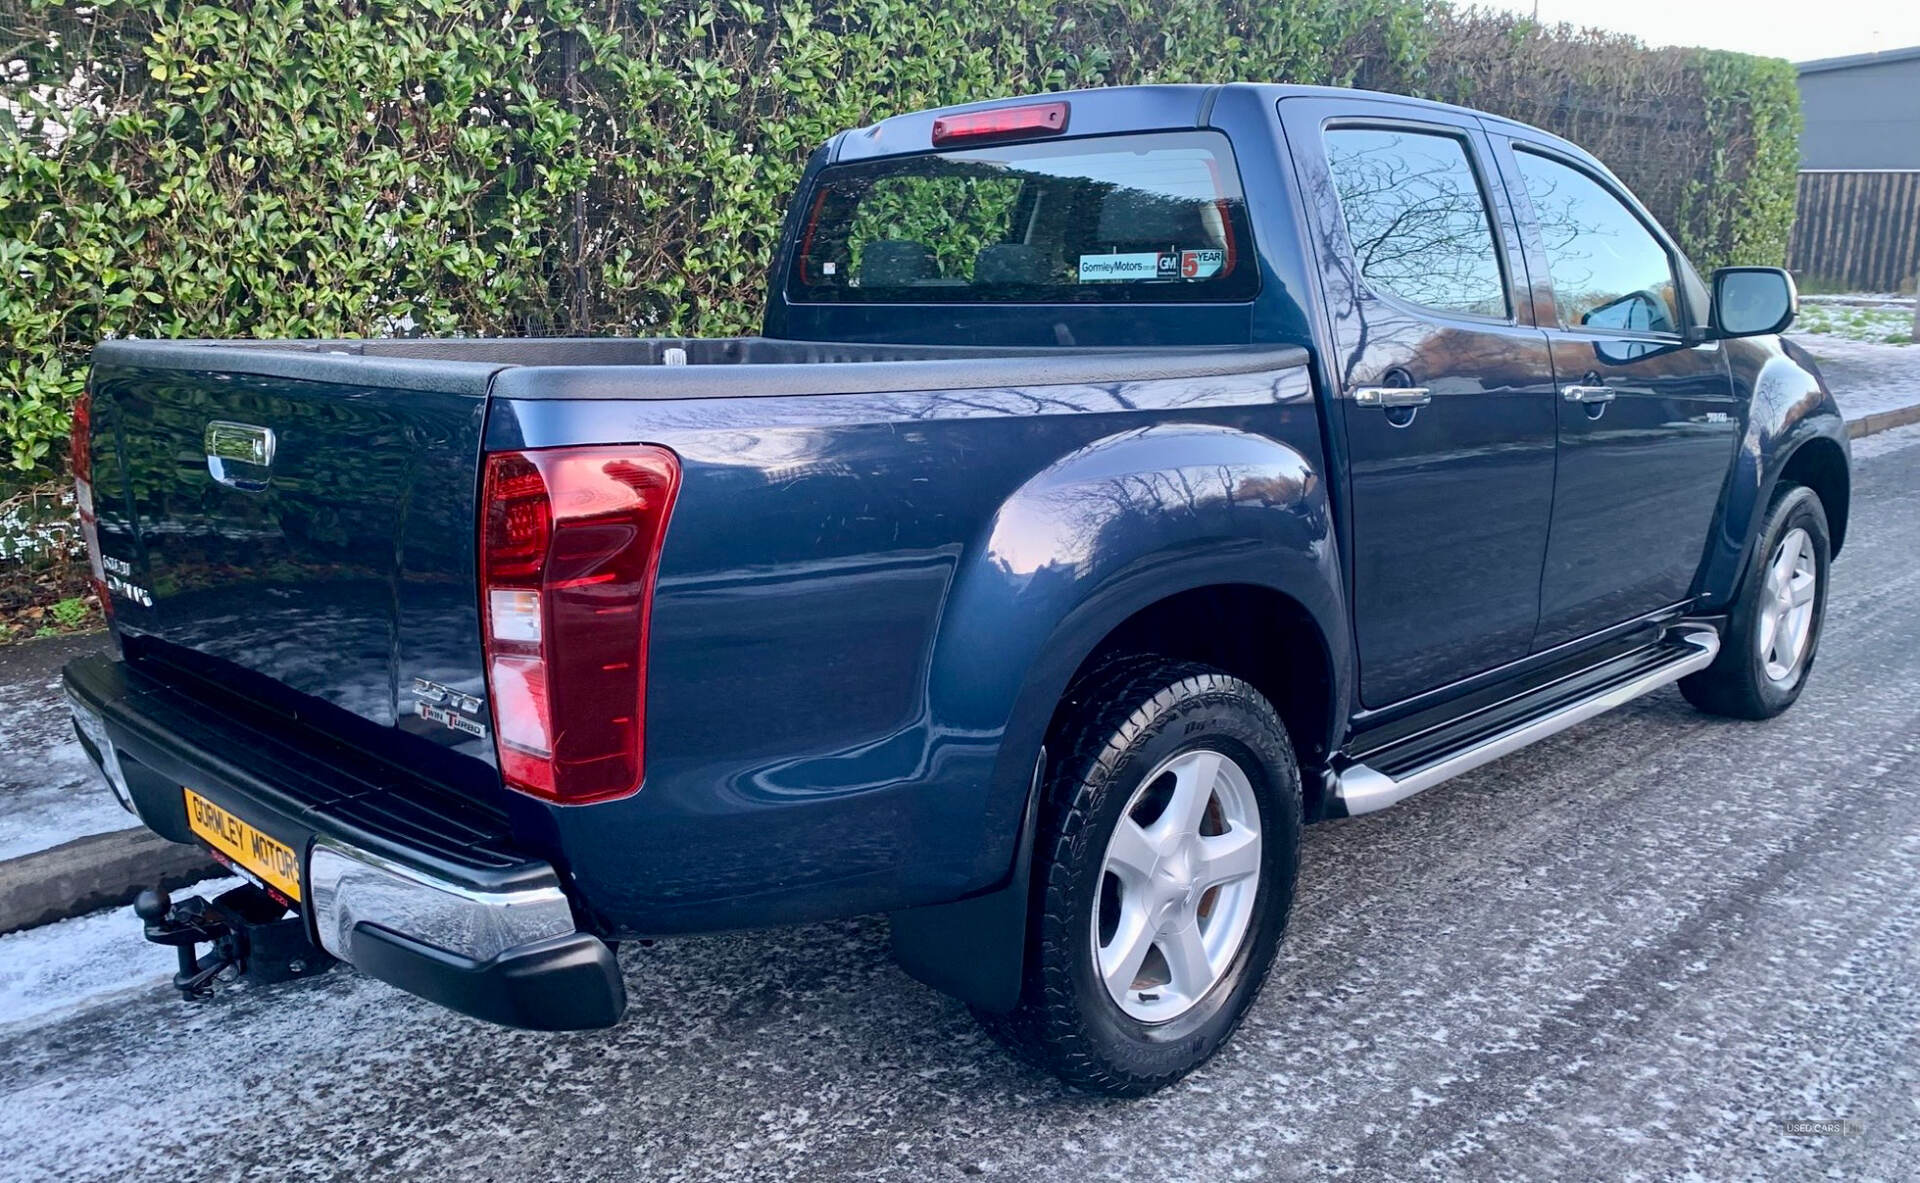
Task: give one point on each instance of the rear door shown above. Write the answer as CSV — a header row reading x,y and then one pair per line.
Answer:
x,y
1647,421
1445,398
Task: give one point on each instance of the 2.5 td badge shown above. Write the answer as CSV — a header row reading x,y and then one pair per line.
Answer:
x,y
448,707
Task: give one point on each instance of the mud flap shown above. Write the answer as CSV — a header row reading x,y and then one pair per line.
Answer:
x,y
975,948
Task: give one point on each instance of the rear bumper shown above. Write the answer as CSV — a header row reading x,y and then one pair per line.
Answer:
x,y
405,886
510,956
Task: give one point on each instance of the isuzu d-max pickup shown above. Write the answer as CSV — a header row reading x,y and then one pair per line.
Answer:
x,y
1124,478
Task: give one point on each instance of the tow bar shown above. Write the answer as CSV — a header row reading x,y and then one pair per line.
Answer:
x,y
250,933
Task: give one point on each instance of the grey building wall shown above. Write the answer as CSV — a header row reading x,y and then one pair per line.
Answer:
x,y
1862,111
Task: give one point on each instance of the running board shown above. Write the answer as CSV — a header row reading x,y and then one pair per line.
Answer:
x,y
1386,780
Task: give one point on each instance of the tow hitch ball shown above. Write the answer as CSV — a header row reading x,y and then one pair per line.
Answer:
x,y
249,934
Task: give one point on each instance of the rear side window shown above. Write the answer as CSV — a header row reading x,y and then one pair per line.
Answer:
x,y
1149,218
1417,219
1609,271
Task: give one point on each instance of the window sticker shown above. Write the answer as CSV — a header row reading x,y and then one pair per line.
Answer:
x,y
1102,268
1202,264
1141,265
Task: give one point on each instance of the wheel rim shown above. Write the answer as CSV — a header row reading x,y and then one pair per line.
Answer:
x,y
1177,886
1785,624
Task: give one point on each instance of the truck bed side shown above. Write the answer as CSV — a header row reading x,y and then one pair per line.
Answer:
x,y
869,603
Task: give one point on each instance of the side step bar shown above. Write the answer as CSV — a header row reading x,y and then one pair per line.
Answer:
x,y
1361,788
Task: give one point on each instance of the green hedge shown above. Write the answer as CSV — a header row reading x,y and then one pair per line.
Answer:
x,y
1708,139
279,168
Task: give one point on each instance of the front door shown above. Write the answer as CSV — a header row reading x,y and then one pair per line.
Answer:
x,y
1647,422
1445,398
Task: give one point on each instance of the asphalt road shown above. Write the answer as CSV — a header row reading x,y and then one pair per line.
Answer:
x,y
1636,949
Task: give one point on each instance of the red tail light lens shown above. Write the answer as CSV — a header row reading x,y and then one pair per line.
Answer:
x,y
569,546
80,455
1003,123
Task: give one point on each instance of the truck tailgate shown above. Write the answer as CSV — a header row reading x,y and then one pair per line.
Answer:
x,y
300,515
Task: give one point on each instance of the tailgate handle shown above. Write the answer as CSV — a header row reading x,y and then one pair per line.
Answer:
x,y
240,455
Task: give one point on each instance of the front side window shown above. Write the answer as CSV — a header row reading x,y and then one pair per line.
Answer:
x,y
1609,272
1118,218
1417,219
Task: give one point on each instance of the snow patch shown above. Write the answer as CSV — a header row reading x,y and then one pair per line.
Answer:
x,y
50,792
83,962
1866,378
1882,443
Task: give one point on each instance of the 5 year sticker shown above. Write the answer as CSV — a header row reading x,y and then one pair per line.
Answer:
x,y
1202,264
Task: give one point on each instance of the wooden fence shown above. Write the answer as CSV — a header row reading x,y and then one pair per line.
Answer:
x,y
1857,230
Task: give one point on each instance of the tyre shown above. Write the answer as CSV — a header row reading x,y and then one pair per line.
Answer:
x,y
1163,874
1773,627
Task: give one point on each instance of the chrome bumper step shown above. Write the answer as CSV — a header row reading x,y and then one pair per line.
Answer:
x,y
1394,773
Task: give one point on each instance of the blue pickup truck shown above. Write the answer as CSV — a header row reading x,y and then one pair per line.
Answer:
x,y
1124,479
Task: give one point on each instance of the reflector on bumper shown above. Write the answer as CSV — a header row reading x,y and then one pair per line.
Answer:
x,y
93,729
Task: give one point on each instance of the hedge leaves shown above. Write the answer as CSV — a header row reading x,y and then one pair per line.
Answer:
x,y
280,168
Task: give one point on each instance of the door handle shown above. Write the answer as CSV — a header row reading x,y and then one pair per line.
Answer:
x,y
1392,396
1587,394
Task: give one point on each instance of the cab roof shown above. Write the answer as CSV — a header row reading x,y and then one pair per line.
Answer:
x,y
1110,110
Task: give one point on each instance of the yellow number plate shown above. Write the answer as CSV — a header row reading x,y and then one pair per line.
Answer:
x,y
274,861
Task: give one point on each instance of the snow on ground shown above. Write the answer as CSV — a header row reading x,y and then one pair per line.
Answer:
x,y
1865,377
1880,318
50,791
83,962
33,526
1897,440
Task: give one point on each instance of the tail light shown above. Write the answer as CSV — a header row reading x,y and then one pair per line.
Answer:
x,y
81,457
569,545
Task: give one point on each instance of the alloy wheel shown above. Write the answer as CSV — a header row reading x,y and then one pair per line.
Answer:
x,y
1786,605
1178,885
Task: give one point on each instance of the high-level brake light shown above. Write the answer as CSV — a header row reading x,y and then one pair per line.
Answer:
x,y
1001,123
569,547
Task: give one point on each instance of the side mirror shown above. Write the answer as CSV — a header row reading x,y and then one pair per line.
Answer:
x,y
1752,301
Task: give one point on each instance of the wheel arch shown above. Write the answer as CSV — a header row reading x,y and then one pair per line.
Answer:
x,y
1104,535
975,948
1794,431
1108,548
1257,633
1815,457
1820,464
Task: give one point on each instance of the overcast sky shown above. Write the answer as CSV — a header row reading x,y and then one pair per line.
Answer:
x,y
1798,30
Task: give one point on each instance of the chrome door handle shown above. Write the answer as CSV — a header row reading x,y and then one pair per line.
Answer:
x,y
1587,394
1392,396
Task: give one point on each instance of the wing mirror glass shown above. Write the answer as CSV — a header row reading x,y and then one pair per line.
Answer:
x,y
1644,312
1753,301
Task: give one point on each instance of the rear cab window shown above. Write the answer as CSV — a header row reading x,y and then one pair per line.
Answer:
x,y
1153,218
